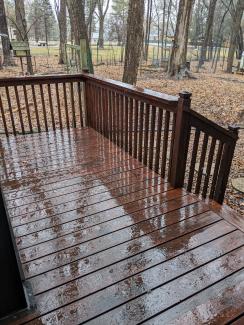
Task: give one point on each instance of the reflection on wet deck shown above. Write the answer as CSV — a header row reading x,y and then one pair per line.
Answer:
x,y
104,240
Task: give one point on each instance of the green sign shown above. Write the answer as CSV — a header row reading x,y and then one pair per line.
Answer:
x,y
21,49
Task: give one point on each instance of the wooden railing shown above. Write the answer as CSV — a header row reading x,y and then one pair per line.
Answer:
x,y
159,130
41,103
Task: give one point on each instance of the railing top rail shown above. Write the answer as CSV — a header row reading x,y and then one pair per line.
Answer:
x,y
129,89
212,128
26,80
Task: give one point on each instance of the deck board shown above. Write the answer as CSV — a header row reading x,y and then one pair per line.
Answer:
x,y
102,239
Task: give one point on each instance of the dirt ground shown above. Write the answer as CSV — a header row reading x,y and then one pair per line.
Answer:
x,y
219,97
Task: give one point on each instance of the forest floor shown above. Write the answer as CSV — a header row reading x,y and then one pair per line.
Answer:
x,y
218,96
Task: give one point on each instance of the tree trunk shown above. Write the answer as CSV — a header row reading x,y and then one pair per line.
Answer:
x,y
208,32
5,39
240,44
21,27
177,62
148,29
134,41
78,24
62,23
236,23
101,32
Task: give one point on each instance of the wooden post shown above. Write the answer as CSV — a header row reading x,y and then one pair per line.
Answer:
x,y
225,165
181,141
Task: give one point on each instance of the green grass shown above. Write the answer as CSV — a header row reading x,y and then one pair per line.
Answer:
x,y
112,53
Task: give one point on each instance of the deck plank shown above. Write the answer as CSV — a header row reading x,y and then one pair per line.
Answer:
x,y
105,240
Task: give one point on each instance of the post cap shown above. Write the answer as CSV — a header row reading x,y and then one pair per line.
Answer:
x,y
185,94
234,128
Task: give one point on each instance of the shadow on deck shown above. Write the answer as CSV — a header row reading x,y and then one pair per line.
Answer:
x,y
105,240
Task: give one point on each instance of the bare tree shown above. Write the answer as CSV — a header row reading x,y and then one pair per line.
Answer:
x,y
60,8
5,35
177,63
148,28
208,32
21,32
235,28
102,11
91,5
78,25
134,41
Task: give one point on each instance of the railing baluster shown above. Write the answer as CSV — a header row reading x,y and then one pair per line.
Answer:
x,y
72,104
51,106
172,142
27,108
19,109
121,104
10,110
117,120
99,109
135,153
193,160
158,139
80,103
126,103
113,101
146,134
152,137
130,124
106,115
201,164
209,167
58,105
165,143
110,114
141,120
216,169
66,105
43,107
36,108
3,116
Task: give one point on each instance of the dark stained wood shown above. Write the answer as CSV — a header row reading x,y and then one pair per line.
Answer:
x,y
27,108
201,164
58,104
165,143
51,106
10,110
152,137
43,107
80,103
109,241
140,130
33,89
135,150
193,160
146,135
19,109
3,117
158,140
209,166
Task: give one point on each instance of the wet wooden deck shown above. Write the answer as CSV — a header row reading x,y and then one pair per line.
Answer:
x,y
104,240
